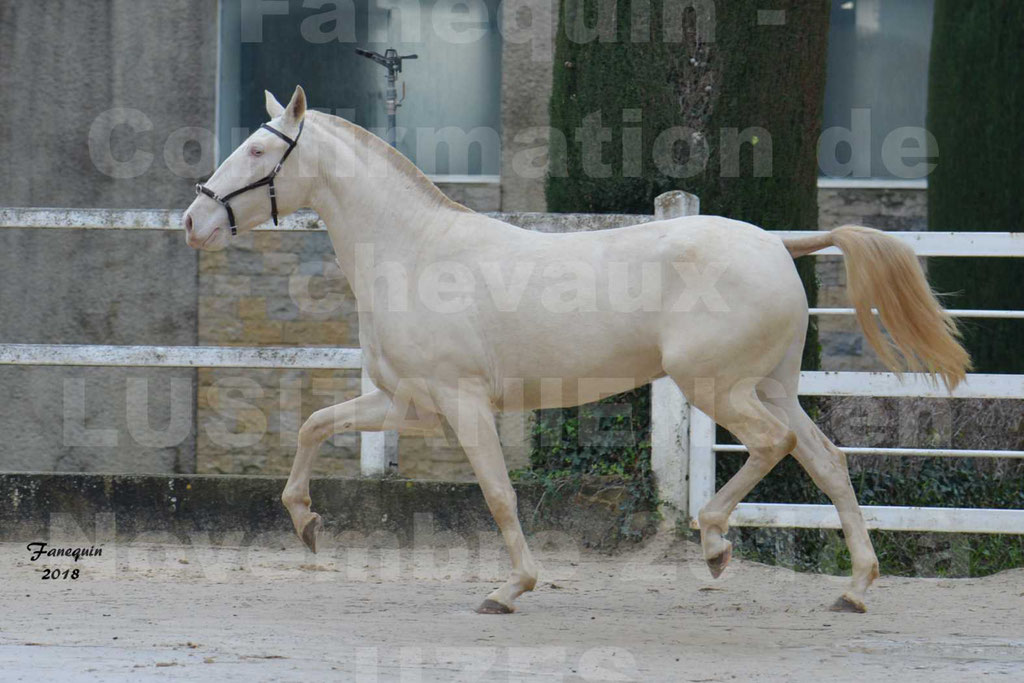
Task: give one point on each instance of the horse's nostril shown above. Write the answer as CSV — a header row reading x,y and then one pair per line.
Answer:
x,y
188,223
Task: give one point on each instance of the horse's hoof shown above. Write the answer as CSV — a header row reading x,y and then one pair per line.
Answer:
x,y
847,604
718,563
309,532
493,607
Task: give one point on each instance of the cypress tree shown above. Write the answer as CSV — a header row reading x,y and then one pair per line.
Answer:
x,y
724,101
720,99
975,100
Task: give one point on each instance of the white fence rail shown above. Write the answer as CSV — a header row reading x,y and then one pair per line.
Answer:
x,y
181,356
683,438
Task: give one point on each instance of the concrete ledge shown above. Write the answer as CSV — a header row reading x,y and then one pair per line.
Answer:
x,y
182,506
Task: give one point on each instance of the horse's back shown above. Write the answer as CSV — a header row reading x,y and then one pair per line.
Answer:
x,y
611,303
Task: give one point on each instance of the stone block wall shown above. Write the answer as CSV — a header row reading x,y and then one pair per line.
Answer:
x,y
285,289
249,419
843,346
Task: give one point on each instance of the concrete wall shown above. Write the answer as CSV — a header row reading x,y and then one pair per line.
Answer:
x,y
70,70
364,513
69,65
526,59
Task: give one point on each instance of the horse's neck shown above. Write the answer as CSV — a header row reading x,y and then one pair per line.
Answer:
x,y
375,199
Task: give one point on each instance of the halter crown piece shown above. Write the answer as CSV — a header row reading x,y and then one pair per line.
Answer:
x,y
267,180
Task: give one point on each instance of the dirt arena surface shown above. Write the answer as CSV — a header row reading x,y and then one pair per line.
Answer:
x,y
275,613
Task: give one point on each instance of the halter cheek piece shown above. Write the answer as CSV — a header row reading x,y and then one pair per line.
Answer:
x,y
267,180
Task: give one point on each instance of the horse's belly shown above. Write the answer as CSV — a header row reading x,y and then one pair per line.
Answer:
x,y
568,365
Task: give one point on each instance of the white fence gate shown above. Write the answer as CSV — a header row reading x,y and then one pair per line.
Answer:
x,y
683,438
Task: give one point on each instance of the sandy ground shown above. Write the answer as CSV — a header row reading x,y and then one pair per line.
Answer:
x,y
227,613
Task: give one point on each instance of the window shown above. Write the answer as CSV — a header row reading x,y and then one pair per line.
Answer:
x,y
877,89
450,121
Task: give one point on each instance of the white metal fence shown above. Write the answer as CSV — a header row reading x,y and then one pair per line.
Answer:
x,y
683,438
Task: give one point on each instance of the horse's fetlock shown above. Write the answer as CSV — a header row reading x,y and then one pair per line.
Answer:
x,y
526,579
717,521
290,498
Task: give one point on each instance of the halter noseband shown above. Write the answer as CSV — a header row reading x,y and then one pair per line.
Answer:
x,y
267,180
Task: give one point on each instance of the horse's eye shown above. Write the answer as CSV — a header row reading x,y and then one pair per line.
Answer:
x,y
256,151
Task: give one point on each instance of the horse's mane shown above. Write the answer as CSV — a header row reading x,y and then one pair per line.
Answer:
x,y
398,160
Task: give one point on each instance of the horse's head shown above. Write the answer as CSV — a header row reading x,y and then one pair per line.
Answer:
x,y
254,183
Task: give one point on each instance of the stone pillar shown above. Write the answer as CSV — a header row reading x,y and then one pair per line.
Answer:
x,y
526,62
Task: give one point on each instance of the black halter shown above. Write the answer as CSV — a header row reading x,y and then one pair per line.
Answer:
x,y
266,180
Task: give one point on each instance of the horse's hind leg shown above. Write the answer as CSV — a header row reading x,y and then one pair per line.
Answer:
x,y
739,410
827,466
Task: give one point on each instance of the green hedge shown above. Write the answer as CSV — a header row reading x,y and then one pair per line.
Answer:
x,y
975,104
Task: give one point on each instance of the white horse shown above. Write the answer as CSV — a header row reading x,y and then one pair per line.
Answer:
x,y
502,318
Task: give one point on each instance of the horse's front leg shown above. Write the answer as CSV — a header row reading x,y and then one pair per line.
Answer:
x,y
369,412
472,418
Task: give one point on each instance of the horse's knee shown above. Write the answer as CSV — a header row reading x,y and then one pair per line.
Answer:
x,y
318,427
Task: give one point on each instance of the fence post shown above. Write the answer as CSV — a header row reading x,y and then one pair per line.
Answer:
x,y
670,438
702,462
378,451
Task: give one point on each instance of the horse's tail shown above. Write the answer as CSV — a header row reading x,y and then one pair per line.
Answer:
x,y
883,273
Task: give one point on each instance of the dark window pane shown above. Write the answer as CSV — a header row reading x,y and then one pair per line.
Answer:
x,y
450,120
877,83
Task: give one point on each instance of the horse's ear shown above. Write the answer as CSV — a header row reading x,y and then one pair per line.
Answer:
x,y
274,108
296,108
